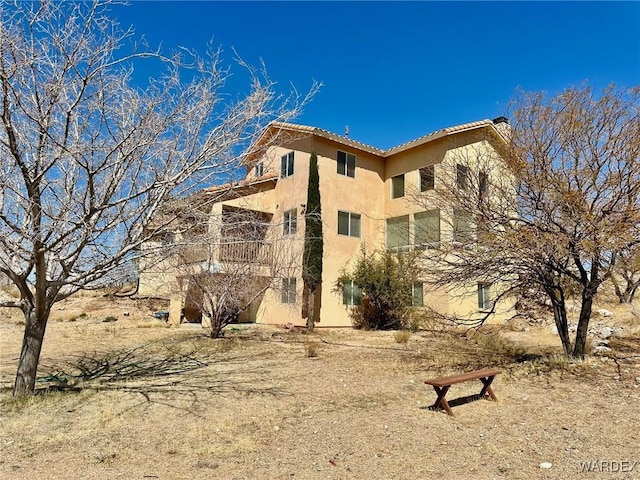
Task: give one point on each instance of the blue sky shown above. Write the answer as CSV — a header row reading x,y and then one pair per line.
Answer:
x,y
393,71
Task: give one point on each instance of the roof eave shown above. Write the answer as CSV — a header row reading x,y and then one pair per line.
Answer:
x,y
445,132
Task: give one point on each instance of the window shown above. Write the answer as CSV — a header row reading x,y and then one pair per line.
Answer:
x,y
417,295
484,296
349,224
483,186
462,176
462,227
290,222
427,229
351,294
286,165
259,169
483,233
397,186
346,164
398,232
288,293
427,178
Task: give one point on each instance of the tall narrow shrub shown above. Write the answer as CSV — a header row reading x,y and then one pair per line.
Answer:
x,y
313,243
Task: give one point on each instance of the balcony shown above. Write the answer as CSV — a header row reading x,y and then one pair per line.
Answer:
x,y
193,253
246,252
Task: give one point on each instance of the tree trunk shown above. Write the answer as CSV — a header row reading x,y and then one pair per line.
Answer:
x,y
583,324
560,317
30,354
311,310
626,295
216,323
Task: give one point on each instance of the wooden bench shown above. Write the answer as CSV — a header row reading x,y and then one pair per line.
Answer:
x,y
441,386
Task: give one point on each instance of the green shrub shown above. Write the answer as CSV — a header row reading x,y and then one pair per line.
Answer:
x,y
385,280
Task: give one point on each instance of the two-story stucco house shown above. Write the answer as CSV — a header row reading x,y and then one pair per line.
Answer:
x,y
366,197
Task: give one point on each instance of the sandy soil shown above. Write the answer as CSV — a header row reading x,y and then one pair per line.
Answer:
x,y
170,403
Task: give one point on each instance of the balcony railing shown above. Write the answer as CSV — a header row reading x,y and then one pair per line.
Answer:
x,y
246,252
194,253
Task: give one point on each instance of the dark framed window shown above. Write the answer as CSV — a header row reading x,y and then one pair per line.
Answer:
x,y
288,293
351,294
397,186
346,164
398,232
349,224
426,226
427,178
259,169
462,176
483,186
484,296
290,222
286,165
463,228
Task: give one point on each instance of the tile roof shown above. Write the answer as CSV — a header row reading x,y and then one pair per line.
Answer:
x,y
328,135
378,151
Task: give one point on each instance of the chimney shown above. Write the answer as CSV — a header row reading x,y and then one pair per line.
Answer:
x,y
502,125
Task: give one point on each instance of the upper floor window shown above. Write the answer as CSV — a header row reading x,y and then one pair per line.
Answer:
x,y
349,224
397,186
483,186
398,232
346,164
462,176
351,294
484,296
427,178
463,230
286,165
427,229
288,293
259,169
290,222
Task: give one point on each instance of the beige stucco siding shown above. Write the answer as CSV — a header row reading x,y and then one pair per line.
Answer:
x,y
367,194
359,195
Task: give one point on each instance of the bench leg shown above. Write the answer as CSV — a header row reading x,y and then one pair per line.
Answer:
x,y
441,402
486,388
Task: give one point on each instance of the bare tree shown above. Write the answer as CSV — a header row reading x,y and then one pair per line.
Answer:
x,y
226,270
626,275
89,158
550,208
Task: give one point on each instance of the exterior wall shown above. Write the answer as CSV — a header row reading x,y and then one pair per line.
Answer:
x,y
444,154
367,194
360,195
158,277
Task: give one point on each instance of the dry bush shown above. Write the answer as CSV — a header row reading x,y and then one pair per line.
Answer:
x,y
311,349
153,324
428,320
492,340
402,336
205,345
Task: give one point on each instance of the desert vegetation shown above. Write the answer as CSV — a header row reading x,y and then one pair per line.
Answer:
x,y
139,399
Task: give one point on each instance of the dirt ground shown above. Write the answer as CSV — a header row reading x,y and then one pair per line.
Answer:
x,y
128,397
